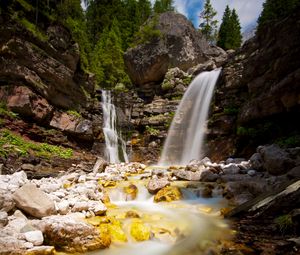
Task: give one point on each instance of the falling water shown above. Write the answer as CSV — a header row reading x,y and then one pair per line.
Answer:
x,y
185,136
115,145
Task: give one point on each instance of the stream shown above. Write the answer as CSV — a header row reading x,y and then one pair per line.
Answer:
x,y
189,226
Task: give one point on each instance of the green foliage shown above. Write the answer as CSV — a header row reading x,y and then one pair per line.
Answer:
x,y
169,121
32,28
147,32
161,6
152,131
167,85
276,9
257,132
231,110
284,223
11,143
108,62
74,113
27,6
289,141
5,112
230,36
187,80
208,25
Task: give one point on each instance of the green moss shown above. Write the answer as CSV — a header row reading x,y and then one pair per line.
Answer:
x,y
152,131
187,80
167,85
289,141
169,121
231,110
74,113
5,112
284,223
11,143
32,28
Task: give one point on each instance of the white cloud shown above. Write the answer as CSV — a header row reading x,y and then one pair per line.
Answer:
x,y
248,10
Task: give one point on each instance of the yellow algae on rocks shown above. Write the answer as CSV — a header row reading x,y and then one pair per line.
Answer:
x,y
106,184
139,231
168,194
116,232
46,250
130,191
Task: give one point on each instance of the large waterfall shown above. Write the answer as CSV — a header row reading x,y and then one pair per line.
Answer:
x,y
185,136
115,145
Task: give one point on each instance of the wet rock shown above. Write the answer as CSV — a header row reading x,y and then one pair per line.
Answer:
x,y
187,175
34,201
72,235
154,185
100,165
234,161
34,237
41,250
251,172
207,191
131,192
140,231
275,160
168,194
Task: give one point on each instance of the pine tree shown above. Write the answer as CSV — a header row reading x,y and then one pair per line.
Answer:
x,y
230,36
275,9
161,6
208,26
235,40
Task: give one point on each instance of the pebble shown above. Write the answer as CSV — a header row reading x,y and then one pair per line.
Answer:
x,y
34,237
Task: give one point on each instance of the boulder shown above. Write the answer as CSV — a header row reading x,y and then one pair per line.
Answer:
x,y
256,161
34,201
71,234
275,160
168,194
231,169
187,175
34,237
294,173
154,185
208,176
180,45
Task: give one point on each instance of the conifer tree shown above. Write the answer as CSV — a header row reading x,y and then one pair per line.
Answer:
x,y
161,6
275,9
230,36
208,26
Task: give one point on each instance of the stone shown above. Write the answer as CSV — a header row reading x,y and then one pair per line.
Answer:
x,y
34,237
294,172
71,234
256,161
98,208
41,250
208,176
168,194
34,201
100,165
231,169
181,47
64,121
154,185
187,175
140,231
63,207
27,167
275,160
251,172
3,218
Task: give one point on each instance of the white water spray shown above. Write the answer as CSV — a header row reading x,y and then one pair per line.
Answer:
x,y
185,136
115,145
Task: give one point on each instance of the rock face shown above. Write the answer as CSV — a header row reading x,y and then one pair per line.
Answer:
x,y
33,201
179,45
257,97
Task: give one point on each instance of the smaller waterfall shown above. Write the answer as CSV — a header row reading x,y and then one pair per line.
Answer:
x,y
115,145
185,136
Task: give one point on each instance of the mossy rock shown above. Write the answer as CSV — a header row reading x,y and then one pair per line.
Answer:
x,y
168,194
139,231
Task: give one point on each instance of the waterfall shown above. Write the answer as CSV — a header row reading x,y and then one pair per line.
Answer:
x,y
115,145
185,136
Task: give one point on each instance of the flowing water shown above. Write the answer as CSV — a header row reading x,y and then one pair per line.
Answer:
x,y
187,227
185,136
114,144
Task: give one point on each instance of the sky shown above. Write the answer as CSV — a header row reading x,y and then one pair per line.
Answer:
x,y
248,10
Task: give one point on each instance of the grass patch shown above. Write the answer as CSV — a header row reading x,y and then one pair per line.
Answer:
x,y
231,110
11,143
32,28
74,113
290,141
284,223
27,6
152,131
4,112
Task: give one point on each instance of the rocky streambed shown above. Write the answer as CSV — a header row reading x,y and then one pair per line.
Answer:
x,y
125,208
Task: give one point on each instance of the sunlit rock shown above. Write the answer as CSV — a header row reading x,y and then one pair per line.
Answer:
x,y
131,191
168,194
139,231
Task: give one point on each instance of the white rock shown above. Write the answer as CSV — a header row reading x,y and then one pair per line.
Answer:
x,y
3,218
231,169
18,178
80,206
42,250
63,207
98,208
28,245
34,237
48,188
82,178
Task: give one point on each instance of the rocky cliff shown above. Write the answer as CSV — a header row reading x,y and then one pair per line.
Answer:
x,y
257,97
